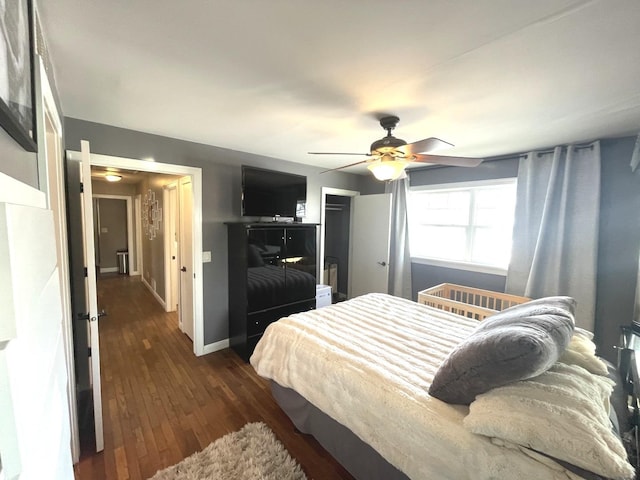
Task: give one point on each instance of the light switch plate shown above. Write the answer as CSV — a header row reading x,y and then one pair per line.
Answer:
x,y
206,257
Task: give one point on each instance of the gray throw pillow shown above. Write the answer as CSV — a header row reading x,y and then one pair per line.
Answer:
x,y
518,343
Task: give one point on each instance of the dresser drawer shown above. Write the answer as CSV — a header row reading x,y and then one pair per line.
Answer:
x,y
257,322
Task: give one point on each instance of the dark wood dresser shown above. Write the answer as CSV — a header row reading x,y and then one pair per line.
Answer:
x,y
272,274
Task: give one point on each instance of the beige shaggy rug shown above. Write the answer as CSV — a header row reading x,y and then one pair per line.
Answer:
x,y
252,453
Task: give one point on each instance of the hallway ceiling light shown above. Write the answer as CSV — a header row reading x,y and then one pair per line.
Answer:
x,y
113,177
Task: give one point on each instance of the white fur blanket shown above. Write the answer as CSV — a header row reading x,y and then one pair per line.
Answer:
x,y
570,406
368,363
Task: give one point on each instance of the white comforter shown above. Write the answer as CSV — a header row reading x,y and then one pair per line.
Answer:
x,y
368,363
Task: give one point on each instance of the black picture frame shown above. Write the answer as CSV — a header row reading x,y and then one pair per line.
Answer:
x,y
17,99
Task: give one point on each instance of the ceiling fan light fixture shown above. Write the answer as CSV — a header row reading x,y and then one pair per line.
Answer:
x,y
391,155
112,177
385,170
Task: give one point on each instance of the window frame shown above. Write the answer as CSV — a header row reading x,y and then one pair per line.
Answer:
x,y
455,264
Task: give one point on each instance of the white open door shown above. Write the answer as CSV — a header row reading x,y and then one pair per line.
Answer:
x,y
186,256
369,252
92,314
171,247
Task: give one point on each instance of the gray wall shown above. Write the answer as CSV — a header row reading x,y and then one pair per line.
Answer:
x,y
220,198
491,168
619,243
153,249
426,276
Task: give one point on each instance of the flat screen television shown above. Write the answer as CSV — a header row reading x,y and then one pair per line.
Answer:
x,y
267,193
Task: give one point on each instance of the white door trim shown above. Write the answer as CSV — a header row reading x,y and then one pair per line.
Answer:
x,y
49,111
129,223
196,179
324,191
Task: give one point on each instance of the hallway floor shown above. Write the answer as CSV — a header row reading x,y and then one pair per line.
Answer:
x,y
161,403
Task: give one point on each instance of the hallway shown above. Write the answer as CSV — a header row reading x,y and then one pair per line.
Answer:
x,y
161,403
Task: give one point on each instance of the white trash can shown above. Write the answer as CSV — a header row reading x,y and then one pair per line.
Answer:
x,y
123,262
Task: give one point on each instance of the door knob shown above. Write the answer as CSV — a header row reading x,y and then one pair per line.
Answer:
x,y
384,264
102,313
86,316
183,269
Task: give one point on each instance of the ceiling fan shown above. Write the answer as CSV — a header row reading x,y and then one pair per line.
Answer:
x,y
391,155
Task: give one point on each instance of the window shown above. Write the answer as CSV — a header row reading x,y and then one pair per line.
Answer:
x,y
467,223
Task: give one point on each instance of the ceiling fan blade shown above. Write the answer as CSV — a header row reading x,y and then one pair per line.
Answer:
x,y
451,161
338,153
345,166
424,146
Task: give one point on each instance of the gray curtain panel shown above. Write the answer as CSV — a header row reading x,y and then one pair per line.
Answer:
x,y
635,157
636,308
399,258
555,233
635,161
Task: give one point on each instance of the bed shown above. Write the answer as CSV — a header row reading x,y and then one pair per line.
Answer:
x,y
357,376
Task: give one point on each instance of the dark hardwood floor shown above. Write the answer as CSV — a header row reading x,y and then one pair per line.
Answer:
x,y
161,403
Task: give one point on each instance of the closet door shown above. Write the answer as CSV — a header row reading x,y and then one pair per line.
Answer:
x,y
370,240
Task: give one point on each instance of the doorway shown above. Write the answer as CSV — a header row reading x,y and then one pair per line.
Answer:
x,y
90,357
113,234
335,240
195,273
178,251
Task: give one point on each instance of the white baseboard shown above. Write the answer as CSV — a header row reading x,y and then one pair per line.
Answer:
x,y
108,269
216,346
155,294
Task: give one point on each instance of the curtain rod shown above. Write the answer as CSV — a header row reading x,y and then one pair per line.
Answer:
x,y
582,146
585,146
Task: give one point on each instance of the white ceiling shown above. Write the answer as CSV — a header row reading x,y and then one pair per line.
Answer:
x,y
284,77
